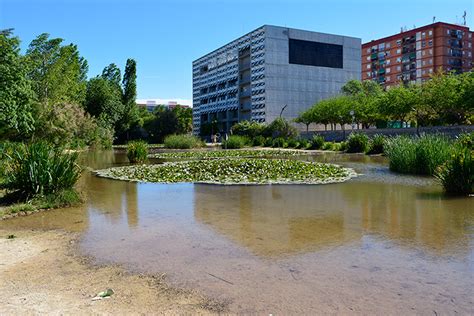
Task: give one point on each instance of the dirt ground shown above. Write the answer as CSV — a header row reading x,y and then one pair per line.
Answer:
x,y
39,274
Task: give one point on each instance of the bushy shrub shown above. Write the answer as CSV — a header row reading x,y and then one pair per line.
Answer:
x,y
417,155
317,142
457,174
357,143
376,144
279,142
69,125
235,142
258,140
137,151
182,142
281,128
247,128
40,169
466,140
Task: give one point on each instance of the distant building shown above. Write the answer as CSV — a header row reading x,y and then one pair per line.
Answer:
x,y
412,56
257,75
151,105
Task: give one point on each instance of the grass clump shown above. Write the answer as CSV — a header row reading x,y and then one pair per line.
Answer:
x,y
457,174
183,142
233,171
63,198
357,143
279,142
258,140
466,140
40,169
420,155
137,151
327,146
317,142
235,142
376,145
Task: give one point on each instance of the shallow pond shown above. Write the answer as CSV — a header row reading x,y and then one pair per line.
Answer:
x,y
375,243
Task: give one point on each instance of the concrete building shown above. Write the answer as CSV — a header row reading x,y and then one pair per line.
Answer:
x,y
414,55
255,76
152,104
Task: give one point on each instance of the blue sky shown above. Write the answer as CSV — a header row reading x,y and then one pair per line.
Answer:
x,y
165,36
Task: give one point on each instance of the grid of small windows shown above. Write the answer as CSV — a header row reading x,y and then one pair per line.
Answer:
x,y
215,76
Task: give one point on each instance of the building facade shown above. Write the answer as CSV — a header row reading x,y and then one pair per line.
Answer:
x,y
270,70
414,55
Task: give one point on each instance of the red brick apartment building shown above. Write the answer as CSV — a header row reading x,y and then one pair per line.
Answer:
x,y
412,56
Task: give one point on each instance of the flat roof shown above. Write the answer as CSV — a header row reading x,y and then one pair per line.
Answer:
x,y
414,31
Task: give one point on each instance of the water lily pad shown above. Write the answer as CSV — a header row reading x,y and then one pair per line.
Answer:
x,y
233,171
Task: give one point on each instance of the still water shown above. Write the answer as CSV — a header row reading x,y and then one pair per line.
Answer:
x,y
380,242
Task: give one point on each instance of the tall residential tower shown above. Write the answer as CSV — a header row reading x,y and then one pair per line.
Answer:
x,y
412,56
270,70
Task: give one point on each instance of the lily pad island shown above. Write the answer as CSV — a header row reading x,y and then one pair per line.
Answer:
x,y
236,168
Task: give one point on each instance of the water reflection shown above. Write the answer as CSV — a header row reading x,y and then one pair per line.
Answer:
x,y
278,220
281,220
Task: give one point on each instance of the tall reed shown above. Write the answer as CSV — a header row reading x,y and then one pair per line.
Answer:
x,y
40,169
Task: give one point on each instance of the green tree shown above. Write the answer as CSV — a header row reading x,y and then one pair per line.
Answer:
x,y
104,101
307,117
397,103
112,73
16,95
130,115
58,72
185,119
163,124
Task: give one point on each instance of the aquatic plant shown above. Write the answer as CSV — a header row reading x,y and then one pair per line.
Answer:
x,y
357,143
466,140
233,171
209,154
182,142
317,142
376,144
40,169
137,151
420,155
457,173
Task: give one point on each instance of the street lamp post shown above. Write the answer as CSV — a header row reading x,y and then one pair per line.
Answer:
x,y
282,109
353,119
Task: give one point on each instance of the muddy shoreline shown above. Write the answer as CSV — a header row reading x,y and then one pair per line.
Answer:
x,y
42,273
